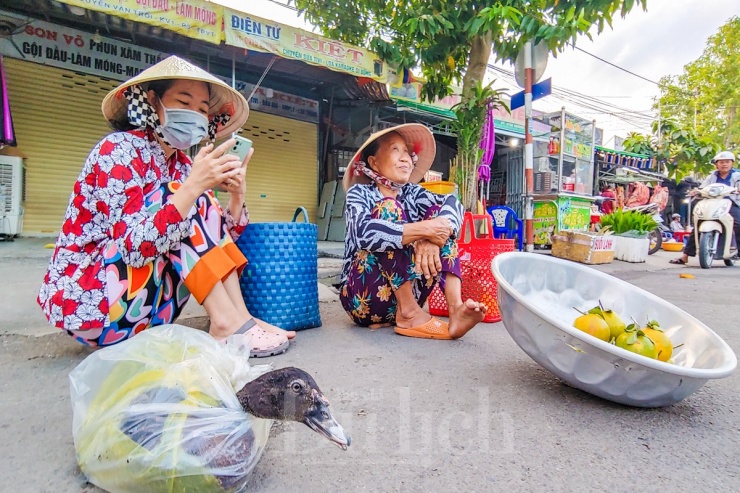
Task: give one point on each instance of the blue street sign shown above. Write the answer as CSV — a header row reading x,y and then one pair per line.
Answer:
x,y
539,90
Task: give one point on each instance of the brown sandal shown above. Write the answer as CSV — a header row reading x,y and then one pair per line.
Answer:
x,y
677,261
433,329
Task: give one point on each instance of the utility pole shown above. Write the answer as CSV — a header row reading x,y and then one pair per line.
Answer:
x,y
528,145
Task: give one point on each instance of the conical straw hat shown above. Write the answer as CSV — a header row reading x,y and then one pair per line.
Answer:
x,y
222,95
419,139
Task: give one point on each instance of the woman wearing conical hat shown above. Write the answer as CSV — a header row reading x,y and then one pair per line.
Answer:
x,y
401,239
143,230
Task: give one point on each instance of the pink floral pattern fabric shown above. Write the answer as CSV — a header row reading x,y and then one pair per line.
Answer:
x,y
107,206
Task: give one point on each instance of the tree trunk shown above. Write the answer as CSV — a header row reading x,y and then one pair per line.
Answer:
x,y
480,52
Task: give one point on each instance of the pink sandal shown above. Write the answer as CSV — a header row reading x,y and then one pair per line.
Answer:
x,y
262,343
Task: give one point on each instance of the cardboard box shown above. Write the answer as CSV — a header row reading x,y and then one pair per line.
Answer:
x,y
583,247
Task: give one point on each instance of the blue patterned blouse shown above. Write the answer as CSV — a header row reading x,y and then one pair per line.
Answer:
x,y
378,235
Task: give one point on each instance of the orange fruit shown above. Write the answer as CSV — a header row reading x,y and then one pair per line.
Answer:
x,y
663,345
615,323
637,342
594,325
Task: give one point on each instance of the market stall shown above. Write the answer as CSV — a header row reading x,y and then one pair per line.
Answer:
x,y
563,177
629,175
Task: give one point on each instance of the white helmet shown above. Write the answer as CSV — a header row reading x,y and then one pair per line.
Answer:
x,y
723,155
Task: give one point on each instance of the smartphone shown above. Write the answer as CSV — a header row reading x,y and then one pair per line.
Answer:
x,y
240,148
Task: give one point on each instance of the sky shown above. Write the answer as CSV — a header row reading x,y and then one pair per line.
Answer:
x,y
653,44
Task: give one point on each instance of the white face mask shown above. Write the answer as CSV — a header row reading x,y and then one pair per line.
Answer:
x,y
182,129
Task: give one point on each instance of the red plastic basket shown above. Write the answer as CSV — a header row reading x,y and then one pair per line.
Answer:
x,y
476,253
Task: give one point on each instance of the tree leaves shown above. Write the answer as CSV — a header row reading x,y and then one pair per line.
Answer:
x,y
679,149
426,34
705,97
420,26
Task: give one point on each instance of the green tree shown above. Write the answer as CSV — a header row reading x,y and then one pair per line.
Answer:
x,y
706,96
678,150
452,40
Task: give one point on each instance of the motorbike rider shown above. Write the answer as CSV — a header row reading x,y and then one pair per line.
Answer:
x,y
725,174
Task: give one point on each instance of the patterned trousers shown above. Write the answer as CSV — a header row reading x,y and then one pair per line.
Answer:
x,y
368,295
155,294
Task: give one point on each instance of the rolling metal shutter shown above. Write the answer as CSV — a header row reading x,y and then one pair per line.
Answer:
x,y
57,120
283,173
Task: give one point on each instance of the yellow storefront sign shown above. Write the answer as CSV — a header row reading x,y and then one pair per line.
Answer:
x,y
197,19
258,34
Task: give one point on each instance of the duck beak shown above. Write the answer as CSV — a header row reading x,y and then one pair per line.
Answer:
x,y
320,420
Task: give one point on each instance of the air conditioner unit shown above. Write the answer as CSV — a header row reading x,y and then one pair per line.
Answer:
x,y
12,195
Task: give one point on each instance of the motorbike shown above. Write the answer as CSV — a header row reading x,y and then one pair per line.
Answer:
x,y
713,225
656,235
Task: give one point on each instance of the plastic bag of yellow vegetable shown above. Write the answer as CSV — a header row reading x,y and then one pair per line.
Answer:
x,y
159,413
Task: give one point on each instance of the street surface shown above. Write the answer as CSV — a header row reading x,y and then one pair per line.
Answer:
x,y
475,414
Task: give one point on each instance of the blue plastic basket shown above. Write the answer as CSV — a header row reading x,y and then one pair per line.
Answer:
x,y
280,281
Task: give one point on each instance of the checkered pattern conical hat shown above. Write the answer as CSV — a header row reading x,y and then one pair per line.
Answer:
x,y
224,99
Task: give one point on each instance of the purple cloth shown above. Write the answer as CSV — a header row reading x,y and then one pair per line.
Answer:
x,y
8,132
488,144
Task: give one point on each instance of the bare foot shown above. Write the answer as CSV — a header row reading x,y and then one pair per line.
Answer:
x,y
465,316
274,329
413,319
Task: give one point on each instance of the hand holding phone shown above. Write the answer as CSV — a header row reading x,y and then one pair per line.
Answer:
x,y
240,148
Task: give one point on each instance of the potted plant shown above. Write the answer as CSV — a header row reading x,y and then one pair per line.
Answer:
x,y
631,230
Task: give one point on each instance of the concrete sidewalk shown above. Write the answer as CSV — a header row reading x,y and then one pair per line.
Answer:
x,y
23,263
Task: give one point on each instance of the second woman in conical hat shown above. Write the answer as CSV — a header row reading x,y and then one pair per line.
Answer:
x,y
143,230
401,239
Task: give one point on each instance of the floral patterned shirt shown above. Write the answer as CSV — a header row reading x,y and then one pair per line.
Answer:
x,y
377,235
107,206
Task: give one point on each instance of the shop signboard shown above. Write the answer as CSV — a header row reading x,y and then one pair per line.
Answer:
x,y
258,34
197,19
573,213
410,94
408,89
578,136
545,220
67,48
267,100
514,123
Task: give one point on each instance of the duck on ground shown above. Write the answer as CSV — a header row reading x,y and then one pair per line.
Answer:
x,y
161,413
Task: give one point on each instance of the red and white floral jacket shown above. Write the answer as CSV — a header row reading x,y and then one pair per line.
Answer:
x,y
107,205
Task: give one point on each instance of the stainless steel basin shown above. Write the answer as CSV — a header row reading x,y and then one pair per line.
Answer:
x,y
536,296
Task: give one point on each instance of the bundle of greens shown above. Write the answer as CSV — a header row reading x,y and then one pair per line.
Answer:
x,y
628,223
